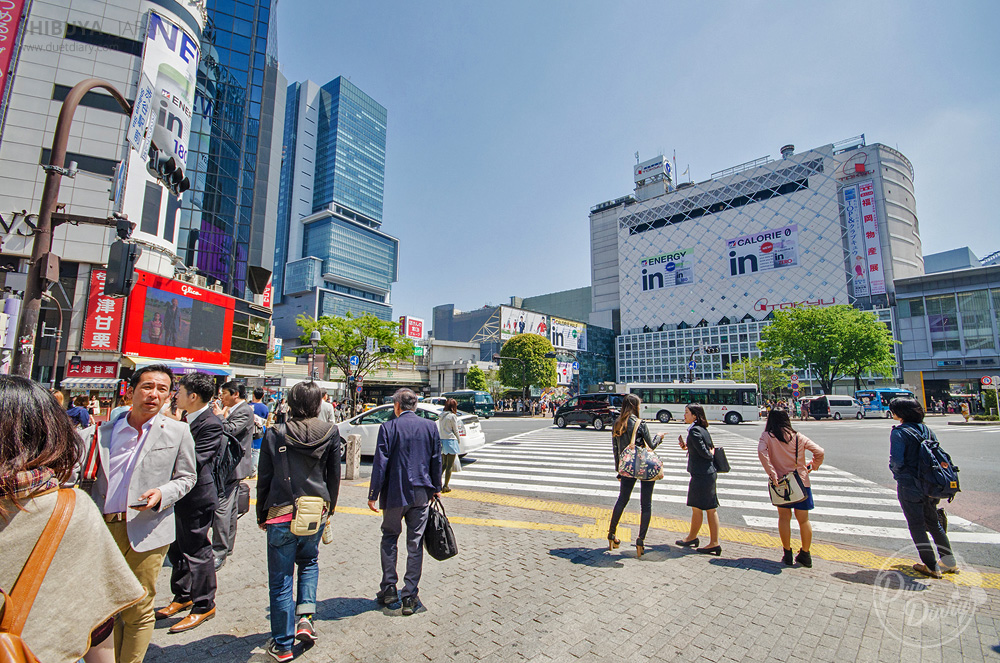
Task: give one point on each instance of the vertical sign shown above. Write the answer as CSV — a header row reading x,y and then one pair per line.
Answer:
x,y
266,301
856,240
10,24
873,247
103,326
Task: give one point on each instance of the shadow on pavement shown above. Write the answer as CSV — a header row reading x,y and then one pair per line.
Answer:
x,y
330,610
220,647
876,577
769,566
588,557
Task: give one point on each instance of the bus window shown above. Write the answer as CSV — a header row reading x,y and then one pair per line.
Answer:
x,y
748,397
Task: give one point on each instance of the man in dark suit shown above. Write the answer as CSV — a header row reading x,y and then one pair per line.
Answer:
x,y
238,422
192,579
406,473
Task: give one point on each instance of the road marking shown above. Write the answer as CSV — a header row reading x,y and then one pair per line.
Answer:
x,y
884,532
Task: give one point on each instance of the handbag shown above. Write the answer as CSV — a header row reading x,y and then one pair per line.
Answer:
x,y
308,512
17,604
88,472
439,539
789,489
242,499
640,463
720,461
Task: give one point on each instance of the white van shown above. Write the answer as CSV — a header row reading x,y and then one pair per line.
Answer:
x,y
837,407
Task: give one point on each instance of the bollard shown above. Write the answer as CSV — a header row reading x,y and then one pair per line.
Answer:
x,y
352,455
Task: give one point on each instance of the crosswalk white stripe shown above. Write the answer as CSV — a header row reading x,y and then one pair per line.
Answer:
x,y
869,530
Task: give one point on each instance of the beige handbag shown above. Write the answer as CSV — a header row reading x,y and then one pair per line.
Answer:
x,y
307,515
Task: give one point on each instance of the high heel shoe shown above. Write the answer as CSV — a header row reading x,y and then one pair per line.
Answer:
x,y
693,543
639,548
613,543
714,550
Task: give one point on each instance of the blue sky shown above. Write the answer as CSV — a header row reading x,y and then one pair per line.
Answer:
x,y
508,120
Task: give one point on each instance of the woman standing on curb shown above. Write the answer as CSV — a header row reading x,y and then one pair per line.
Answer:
x,y
448,428
781,450
628,428
919,510
702,496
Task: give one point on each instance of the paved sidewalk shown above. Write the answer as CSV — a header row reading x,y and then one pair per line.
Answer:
x,y
534,581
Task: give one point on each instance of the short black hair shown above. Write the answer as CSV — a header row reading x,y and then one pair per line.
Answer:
x,y
258,393
304,400
907,409
201,385
152,368
405,398
233,387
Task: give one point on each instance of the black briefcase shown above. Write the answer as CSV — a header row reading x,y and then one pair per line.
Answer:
x,y
242,498
439,539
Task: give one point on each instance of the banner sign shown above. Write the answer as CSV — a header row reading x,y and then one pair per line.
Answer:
x,y
568,335
411,327
763,251
515,321
102,329
856,240
10,25
668,269
92,369
564,372
873,247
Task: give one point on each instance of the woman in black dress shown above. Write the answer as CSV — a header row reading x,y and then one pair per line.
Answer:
x,y
702,497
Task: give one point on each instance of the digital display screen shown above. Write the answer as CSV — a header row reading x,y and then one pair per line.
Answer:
x,y
173,320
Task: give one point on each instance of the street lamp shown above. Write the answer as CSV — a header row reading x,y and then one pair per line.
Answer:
x,y
314,339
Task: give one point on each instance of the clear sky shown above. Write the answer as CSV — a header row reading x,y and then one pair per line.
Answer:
x,y
508,120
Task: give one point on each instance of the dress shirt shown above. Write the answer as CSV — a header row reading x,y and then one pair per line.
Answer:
x,y
123,452
197,413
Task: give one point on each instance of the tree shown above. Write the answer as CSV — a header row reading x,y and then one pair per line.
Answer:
x,y
769,374
476,379
340,338
494,385
527,365
834,340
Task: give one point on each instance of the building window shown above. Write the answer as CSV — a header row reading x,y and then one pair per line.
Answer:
x,y
911,308
977,325
942,316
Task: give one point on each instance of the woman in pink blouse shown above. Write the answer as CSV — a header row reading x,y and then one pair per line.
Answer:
x,y
781,450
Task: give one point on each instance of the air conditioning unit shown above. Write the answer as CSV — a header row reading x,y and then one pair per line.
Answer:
x,y
199,280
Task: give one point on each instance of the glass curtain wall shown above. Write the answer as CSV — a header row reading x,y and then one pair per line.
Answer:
x,y
977,323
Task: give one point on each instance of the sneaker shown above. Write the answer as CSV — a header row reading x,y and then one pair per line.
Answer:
x,y
304,631
410,605
387,596
277,653
805,559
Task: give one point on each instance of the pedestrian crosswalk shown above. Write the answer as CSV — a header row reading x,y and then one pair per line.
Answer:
x,y
568,463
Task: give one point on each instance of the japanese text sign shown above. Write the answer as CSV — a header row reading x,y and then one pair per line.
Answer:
x,y
102,329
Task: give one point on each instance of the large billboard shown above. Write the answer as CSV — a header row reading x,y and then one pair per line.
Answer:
x,y
856,241
568,334
873,247
411,327
102,328
515,321
172,319
667,270
774,248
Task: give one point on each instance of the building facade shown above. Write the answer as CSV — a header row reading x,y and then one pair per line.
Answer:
x,y
332,258
678,267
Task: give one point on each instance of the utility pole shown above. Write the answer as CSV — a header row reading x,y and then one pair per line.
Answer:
x,y
44,266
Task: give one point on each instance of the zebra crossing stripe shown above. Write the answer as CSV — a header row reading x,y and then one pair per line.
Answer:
x,y
868,530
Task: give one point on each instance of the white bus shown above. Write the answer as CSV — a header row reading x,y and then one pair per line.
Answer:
x,y
723,400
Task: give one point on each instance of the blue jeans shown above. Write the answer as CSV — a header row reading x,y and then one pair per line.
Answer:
x,y
284,552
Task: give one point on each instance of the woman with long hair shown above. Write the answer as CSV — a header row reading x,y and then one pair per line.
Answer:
x,y
782,450
448,428
630,427
87,579
702,497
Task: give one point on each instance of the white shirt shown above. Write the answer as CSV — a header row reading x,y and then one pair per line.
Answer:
x,y
123,452
197,413
326,412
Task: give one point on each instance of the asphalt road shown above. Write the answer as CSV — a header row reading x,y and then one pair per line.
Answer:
x,y
497,428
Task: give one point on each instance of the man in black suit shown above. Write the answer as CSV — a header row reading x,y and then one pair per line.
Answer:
x,y
406,473
193,579
238,422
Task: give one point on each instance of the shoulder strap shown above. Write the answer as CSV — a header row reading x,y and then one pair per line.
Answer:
x,y
93,459
634,431
22,595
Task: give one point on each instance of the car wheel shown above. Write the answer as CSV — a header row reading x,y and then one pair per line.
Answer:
x,y
836,415
663,416
598,424
859,415
733,418
888,414
561,422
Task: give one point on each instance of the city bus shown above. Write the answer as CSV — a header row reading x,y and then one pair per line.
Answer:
x,y
877,400
723,400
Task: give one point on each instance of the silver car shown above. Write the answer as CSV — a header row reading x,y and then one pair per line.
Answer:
x,y
367,425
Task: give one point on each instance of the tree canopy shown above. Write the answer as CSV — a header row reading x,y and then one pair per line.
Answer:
x,y
528,365
835,340
476,379
767,373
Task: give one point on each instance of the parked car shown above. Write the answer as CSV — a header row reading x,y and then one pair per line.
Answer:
x,y
837,407
597,410
367,424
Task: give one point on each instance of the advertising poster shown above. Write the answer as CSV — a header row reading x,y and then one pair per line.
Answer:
x,y
873,246
103,325
411,327
763,251
856,241
514,321
564,372
568,335
10,25
668,269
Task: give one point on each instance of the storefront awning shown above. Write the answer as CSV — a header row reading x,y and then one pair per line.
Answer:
x,y
180,367
87,384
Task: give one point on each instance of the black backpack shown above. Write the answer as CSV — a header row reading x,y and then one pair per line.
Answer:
x,y
937,476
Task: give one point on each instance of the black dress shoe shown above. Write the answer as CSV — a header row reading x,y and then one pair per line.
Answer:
x,y
387,596
410,605
219,561
714,550
693,543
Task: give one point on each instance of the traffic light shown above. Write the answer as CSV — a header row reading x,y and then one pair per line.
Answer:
x,y
166,168
123,227
121,268
712,349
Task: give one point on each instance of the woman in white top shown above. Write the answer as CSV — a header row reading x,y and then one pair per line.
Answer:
x,y
448,429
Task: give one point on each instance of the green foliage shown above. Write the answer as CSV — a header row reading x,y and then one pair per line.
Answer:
x,y
533,369
767,373
476,379
837,340
494,385
985,417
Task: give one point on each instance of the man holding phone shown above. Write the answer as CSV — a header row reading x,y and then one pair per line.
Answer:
x,y
146,464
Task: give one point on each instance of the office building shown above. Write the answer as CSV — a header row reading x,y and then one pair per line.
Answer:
x,y
331,257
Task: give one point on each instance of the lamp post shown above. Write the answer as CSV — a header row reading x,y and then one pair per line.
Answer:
x,y
57,336
314,339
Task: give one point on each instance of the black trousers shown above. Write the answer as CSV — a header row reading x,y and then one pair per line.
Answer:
x,y
920,512
645,505
190,555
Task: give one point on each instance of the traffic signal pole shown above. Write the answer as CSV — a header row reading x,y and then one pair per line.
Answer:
x,y
44,267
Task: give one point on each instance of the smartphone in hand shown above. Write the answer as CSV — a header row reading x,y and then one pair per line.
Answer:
x,y
140,504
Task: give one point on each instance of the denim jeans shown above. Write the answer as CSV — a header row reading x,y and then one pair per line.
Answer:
x,y
284,552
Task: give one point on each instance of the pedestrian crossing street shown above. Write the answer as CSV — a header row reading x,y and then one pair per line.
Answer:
x,y
570,463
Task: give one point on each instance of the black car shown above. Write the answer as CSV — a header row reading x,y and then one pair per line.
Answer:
x,y
597,410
